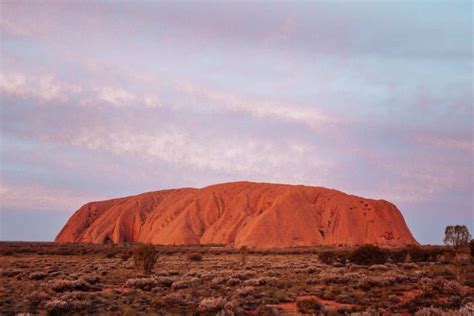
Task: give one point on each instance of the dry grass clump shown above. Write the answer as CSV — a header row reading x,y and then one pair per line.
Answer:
x,y
34,299
218,280
310,270
261,281
195,273
212,304
11,272
309,306
233,281
441,271
185,282
194,256
145,284
38,276
313,281
400,278
174,303
379,267
466,310
164,281
69,303
368,282
91,279
245,290
410,265
59,307
244,275
338,278
69,285
442,286
451,292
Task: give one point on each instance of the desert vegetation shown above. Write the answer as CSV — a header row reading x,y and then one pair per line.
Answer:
x,y
62,279
144,257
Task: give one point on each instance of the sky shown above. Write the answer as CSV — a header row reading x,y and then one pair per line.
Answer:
x,y
101,99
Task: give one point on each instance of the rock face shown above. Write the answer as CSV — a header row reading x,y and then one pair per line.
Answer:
x,y
241,213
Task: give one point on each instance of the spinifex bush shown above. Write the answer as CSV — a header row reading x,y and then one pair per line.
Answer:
x,y
309,306
145,257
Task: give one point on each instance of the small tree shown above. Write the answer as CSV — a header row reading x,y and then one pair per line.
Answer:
x,y
471,245
457,237
144,256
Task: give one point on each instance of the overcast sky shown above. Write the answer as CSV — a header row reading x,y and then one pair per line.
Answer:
x,y
102,99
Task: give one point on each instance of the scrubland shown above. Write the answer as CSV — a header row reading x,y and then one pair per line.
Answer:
x,y
46,278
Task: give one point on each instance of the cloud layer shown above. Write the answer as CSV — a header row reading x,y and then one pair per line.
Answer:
x,y
101,99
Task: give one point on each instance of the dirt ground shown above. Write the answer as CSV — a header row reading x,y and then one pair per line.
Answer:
x,y
52,279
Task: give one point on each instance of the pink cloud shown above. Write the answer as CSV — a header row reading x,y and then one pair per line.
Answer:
x,y
446,142
39,197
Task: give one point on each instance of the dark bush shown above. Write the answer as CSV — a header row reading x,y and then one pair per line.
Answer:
x,y
331,257
430,299
126,255
419,254
194,256
145,257
398,255
111,254
327,257
8,252
368,255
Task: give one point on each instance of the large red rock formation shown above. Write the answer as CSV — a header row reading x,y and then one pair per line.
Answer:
x,y
240,213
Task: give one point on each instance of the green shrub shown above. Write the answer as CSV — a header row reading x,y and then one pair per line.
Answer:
x,y
418,254
331,257
144,256
327,257
398,255
368,255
